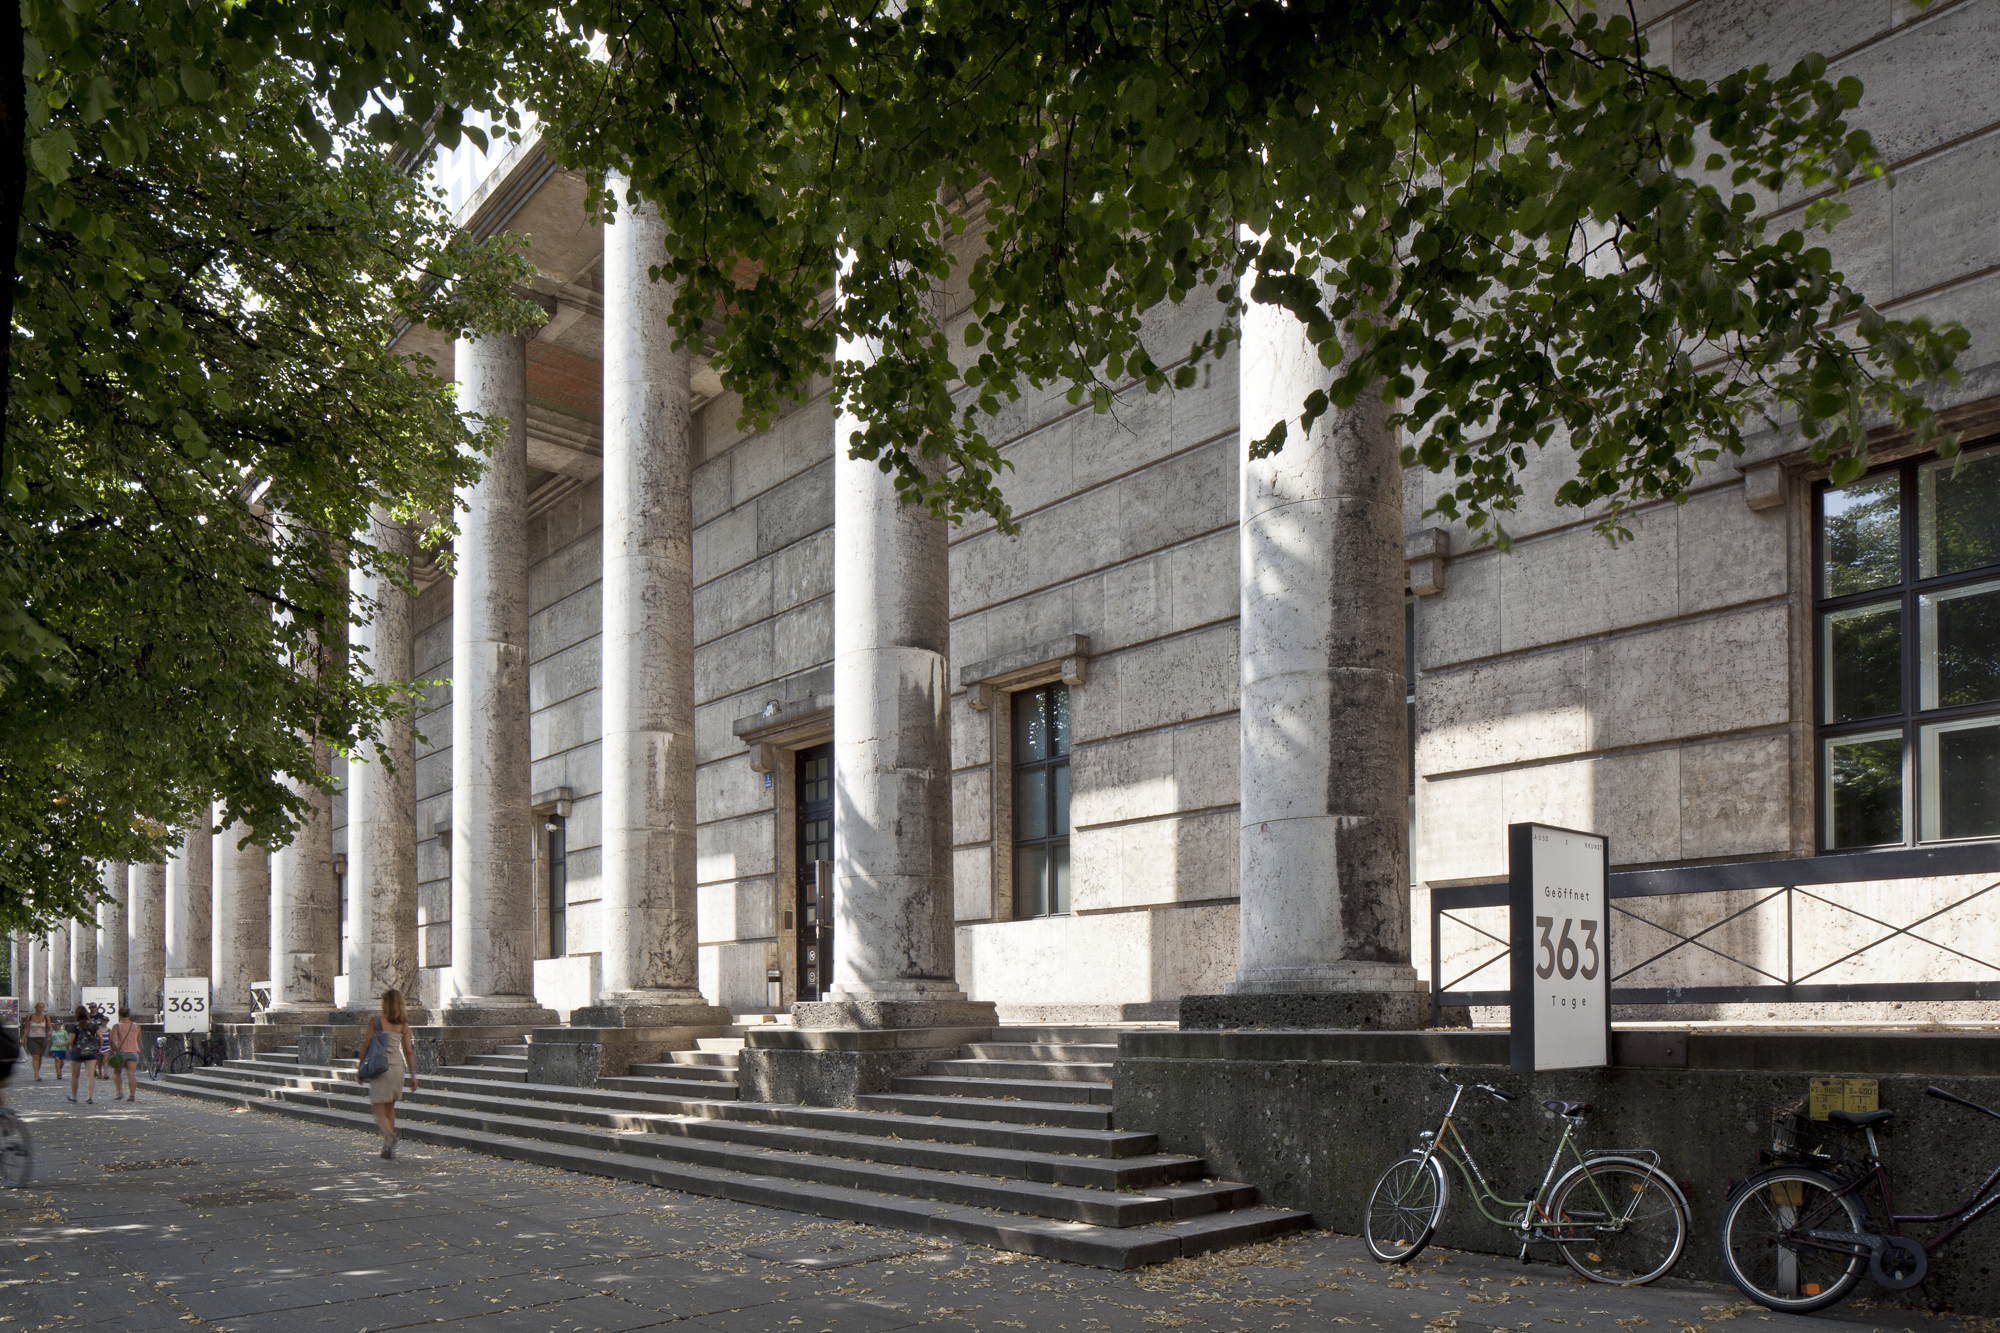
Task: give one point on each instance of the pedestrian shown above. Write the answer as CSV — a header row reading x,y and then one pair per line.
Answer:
x,y
86,1046
386,1087
59,1047
124,1057
35,1035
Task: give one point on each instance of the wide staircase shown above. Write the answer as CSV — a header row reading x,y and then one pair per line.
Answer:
x,y
1009,1145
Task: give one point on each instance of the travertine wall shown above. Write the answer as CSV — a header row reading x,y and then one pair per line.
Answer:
x,y
1658,691
1662,691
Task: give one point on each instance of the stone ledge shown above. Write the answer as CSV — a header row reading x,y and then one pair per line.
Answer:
x,y
1399,1010
1970,1054
864,1039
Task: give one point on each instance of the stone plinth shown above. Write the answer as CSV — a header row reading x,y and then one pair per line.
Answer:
x,y
329,1043
246,1041
441,1044
838,1066
579,1055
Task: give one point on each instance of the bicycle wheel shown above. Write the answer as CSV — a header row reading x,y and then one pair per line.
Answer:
x,y
1769,1246
16,1159
1618,1221
182,1063
1404,1208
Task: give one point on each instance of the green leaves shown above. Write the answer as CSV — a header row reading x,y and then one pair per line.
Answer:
x,y
206,306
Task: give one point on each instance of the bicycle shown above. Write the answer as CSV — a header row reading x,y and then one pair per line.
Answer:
x,y
1614,1215
1796,1236
17,1158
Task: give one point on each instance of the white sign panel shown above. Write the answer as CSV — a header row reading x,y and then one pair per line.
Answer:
x,y
103,999
185,1000
1561,926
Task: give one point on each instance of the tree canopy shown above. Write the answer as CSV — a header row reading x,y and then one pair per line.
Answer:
x,y
209,283
1498,214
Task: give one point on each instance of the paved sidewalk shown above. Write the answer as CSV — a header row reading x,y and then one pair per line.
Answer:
x,y
173,1214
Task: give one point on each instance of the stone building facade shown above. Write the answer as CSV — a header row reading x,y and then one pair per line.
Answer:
x,y
1707,693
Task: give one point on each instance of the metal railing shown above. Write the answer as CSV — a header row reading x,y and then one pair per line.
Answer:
x,y
1972,964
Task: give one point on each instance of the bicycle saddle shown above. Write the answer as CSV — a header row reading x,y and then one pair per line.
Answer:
x,y
1567,1108
1858,1119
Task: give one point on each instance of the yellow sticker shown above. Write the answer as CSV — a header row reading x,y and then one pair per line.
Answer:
x,y
1827,1095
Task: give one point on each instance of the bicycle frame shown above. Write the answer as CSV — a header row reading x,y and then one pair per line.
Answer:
x,y
1873,1176
1529,1217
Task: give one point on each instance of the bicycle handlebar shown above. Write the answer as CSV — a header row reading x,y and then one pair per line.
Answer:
x,y
1944,1096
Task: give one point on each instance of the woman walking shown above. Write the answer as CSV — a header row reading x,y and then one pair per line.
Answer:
x,y
387,1087
35,1035
86,1045
124,1039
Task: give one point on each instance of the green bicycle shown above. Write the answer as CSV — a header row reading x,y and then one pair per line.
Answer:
x,y
1614,1215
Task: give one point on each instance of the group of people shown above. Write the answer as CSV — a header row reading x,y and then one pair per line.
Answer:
x,y
86,1041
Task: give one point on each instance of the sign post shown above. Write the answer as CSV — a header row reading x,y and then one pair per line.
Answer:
x,y
102,1000
185,1000
1560,924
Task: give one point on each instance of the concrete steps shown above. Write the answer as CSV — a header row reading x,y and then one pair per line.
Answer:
x,y
1012,1148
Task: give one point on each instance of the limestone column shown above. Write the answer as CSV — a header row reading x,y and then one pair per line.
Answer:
x,y
892,952
1324,854
20,969
189,887
305,911
83,952
145,938
382,802
492,815
62,990
240,922
111,942
648,877
38,971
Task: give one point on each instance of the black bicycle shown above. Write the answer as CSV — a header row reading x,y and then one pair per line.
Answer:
x,y
195,1051
1798,1235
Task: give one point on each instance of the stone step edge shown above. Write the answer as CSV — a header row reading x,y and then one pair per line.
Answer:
x,y
1007,1110
982,1159
1110,1142
1120,1208
1071,1242
1031,1091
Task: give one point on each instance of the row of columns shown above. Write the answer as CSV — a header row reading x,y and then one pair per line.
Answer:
x,y
1323,879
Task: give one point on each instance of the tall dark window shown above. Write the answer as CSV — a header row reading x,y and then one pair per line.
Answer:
x,y
1410,715
1041,801
557,828
1908,680
340,896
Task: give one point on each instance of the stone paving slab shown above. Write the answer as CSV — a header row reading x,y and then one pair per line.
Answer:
x,y
241,1223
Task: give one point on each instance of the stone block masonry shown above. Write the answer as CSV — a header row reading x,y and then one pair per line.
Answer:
x,y
1314,1117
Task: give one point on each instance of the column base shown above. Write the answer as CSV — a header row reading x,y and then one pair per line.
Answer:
x,y
650,1009
416,1015
914,1005
297,1015
497,1011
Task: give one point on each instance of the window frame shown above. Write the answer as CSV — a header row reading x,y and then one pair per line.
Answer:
x,y
555,880
1906,595
1050,840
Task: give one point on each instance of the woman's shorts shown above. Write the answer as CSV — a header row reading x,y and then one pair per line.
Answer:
x,y
37,1045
